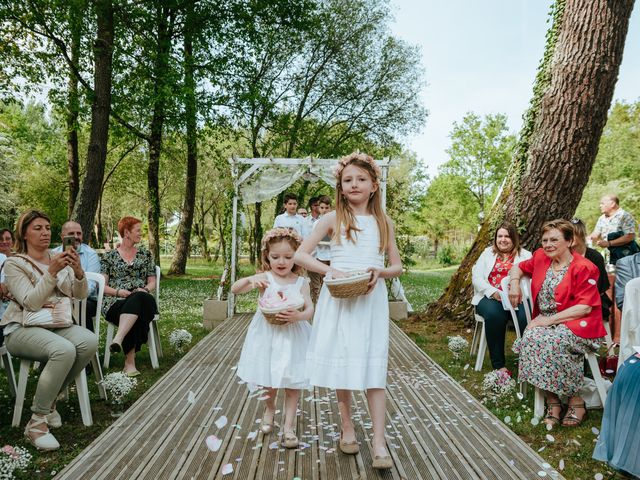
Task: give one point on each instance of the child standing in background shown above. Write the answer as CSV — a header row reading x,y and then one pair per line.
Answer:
x,y
323,250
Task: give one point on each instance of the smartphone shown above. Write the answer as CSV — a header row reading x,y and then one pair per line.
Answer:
x,y
68,242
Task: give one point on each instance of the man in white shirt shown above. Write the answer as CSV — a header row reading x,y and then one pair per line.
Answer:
x,y
290,218
614,222
89,261
314,209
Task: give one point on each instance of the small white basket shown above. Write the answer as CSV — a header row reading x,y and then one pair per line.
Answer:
x,y
352,286
270,313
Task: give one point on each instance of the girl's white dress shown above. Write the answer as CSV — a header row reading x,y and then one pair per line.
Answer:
x,y
274,355
349,343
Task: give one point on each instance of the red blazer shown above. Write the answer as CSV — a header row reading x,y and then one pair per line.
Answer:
x,y
578,287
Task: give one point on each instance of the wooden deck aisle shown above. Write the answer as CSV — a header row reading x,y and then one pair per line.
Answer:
x,y
436,429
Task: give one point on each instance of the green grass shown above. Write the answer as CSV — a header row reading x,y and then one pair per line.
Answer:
x,y
181,307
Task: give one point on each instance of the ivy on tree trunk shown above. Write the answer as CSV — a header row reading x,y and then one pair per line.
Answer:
x,y
559,140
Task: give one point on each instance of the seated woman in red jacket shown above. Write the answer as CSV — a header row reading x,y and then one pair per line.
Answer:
x,y
567,321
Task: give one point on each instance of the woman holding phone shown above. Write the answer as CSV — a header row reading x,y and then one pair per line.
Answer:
x,y
41,286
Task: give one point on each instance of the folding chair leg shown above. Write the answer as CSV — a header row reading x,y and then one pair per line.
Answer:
x,y
482,350
475,340
523,388
597,377
22,389
11,377
153,352
538,403
108,340
156,333
97,373
608,338
83,398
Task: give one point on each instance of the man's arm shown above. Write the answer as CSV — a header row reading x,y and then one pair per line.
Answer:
x,y
92,265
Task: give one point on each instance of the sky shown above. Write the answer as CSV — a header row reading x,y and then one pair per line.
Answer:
x,y
482,56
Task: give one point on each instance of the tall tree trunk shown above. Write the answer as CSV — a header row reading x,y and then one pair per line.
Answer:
x,y
157,125
84,211
183,242
99,227
257,232
566,127
73,106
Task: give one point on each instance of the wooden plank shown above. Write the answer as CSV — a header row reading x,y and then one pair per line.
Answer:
x,y
491,439
435,428
151,404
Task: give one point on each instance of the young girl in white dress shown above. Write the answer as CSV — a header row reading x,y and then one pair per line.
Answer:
x,y
349,344
273,356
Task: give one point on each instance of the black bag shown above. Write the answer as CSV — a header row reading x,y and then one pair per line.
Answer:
x,y
621,251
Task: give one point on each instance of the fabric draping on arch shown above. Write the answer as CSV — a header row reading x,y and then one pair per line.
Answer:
x,y
270,180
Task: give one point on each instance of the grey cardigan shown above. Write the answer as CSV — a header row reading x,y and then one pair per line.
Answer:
x,y
31,290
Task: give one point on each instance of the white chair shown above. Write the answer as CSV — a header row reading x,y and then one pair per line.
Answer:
x,y
81,387
80,313
480,341
630,324
538,404
5,359
154,345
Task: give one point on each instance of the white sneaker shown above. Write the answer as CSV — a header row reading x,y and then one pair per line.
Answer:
x,y
44,442
54,420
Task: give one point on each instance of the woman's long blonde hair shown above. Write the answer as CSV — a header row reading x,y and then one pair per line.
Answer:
x,y
344,215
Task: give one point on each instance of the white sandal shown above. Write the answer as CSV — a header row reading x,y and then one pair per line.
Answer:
x,y
54,420
289,440
46,442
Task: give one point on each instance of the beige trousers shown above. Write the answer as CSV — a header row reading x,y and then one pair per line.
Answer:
x,y
64,352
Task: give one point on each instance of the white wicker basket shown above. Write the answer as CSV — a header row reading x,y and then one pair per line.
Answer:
x,y
270,313
354,285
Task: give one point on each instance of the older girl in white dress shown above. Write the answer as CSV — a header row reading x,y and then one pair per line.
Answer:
x,y
349,344
273,356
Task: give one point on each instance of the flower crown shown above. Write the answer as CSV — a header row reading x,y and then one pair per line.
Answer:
x,y
281,233
363,157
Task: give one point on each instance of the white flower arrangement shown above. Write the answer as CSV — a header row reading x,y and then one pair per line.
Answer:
x,y
119,385
498,384
179,339
457,345
12,459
